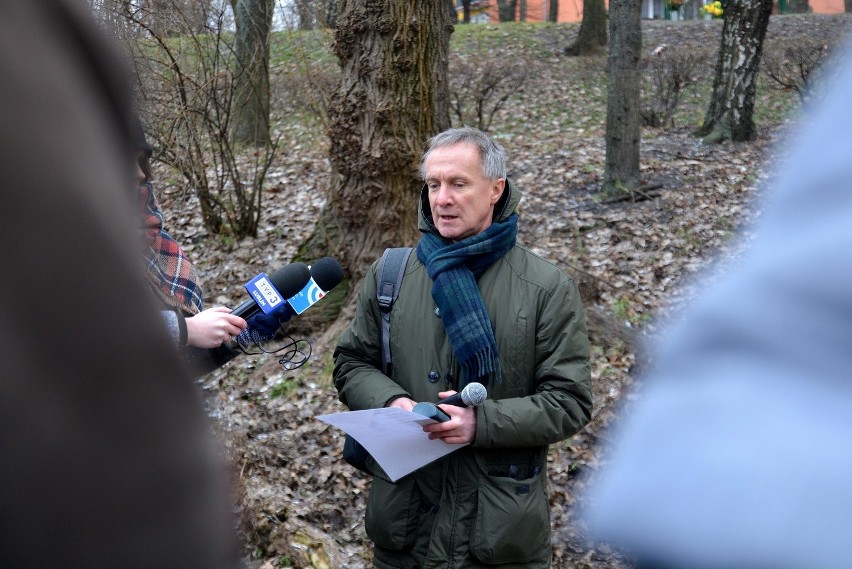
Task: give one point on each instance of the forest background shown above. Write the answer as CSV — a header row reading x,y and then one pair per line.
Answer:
x,y
635,253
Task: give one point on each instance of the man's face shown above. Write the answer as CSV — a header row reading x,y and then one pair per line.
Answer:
x,y
461,197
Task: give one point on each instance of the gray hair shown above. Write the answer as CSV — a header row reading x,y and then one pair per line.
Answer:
x,y
491,155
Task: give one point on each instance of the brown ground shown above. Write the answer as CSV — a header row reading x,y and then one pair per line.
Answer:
x,y
298,500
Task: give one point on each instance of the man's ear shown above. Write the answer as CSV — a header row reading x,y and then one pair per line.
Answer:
x,y
497,189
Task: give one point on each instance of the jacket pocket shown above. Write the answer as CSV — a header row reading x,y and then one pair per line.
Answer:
x,y
512,520
392,508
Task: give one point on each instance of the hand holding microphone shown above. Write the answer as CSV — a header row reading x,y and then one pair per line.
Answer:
x,y
460,428
472,395
212,327
299,289
269,293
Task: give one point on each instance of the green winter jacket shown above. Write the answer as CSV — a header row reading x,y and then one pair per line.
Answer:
x,y
485,504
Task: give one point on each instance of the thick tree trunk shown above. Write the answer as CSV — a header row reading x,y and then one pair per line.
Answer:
x,y
523,16
161,17
553,11
330,18
848,5
798,7
730,115
393,95
506,10
466,10
305,12
592,37
250,108
623,105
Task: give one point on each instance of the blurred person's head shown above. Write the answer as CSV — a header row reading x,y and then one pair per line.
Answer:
x,y
142,149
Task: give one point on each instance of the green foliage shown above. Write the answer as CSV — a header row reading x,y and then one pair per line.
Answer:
x,y
565,96
626,309
283,388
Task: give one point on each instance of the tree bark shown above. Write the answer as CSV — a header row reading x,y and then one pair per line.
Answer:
x,y
466,10
798,7
250,109
730,115
506,10
592,37
330,14
848,5
392,96
305,12
553,11
623,103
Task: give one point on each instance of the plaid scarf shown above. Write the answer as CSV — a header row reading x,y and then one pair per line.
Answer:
x,y
169,270
454,269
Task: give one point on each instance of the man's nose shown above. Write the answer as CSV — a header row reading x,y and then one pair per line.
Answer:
x,y
444,194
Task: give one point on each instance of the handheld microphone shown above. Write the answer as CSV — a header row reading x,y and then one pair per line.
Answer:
x,y
472,395
269,293
325,274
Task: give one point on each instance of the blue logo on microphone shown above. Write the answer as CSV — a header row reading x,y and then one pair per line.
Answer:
x,y
264,293
306,297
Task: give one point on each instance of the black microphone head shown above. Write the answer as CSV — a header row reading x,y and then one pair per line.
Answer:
x,y
327,273
474,394
290,279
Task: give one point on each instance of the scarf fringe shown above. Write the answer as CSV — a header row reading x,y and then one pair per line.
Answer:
x,y
483,366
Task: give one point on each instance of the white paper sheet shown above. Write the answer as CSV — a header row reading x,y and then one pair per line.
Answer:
x,y
394,437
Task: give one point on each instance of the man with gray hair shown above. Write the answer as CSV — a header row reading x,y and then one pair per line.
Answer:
x,y
473,306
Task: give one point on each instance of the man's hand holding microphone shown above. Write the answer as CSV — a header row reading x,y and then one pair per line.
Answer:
x,y
456,416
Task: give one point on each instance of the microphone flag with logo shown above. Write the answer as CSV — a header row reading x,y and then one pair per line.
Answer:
x,y
326,274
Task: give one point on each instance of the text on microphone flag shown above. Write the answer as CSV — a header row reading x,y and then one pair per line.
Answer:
x,y
264,293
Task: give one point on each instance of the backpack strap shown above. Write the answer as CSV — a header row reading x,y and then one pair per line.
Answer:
x,y
391,269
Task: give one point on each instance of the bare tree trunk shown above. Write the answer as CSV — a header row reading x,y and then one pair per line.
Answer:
x,y
466,10
393,95
198,12
305,12
523,16
160,15
798,7
506,10
553,11
330,16
848,5
623,111
250,123
592,37
730,115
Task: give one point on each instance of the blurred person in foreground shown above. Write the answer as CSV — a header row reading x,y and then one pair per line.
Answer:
x,y
738,453
473,306
107,457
